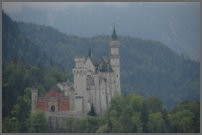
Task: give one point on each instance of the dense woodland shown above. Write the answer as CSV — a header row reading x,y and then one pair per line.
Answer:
x,y
157,84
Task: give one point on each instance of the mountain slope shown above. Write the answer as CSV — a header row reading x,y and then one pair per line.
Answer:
x,y
15,43
24,66
17,47
175,24
148,67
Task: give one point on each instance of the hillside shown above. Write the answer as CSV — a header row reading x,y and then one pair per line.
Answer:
x,y
24,66
175,24
16,47
148,68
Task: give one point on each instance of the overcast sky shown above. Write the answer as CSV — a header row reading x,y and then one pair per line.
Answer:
x,y
83,14
173,23
47,13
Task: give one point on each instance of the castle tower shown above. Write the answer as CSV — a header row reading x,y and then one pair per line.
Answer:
x,y
115,60
80,75
34,99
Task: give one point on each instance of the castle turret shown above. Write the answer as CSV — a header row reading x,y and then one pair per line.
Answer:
x,y
34,99
79,61
115,60
80,75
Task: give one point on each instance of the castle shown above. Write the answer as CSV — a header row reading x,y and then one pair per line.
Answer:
x,y
96,81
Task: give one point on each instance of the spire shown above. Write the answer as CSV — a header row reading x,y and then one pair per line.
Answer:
x,y
90,54
114,36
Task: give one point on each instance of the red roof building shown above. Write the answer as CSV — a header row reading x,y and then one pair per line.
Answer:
x,y
53,101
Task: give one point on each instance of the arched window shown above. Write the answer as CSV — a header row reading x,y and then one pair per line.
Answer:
x,y
52,108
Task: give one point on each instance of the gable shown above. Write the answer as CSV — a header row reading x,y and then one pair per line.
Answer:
x,y
89,65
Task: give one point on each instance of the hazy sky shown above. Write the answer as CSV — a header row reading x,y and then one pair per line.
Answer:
x,y
87,15
176,24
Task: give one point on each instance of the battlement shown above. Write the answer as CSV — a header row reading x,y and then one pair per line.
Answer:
x,y
114,44
79,58
35,90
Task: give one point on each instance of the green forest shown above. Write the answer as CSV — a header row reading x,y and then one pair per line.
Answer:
x,y
133,114
161,89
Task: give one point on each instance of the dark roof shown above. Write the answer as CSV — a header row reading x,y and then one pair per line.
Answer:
x,y
114,36
79,56
90,53
101,64
67,83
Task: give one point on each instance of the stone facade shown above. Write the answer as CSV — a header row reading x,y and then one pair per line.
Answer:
x,y
96,81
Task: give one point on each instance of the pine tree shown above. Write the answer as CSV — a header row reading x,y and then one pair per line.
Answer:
x,y
92,111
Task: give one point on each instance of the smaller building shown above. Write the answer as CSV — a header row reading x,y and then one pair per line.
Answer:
x,y
56,105
53,101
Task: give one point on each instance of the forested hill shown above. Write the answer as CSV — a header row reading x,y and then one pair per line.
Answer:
x,y
148,67
25,66
16,46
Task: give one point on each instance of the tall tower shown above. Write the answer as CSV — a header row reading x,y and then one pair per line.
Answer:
x,y
34,99
115,60
80,75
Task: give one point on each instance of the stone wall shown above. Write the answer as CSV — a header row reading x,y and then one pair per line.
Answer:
x,y
58,120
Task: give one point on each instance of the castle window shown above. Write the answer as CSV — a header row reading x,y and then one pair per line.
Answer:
x,y
52,108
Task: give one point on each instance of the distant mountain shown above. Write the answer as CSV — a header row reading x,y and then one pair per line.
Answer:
x,y
177,24
24,66
17,47
148,67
